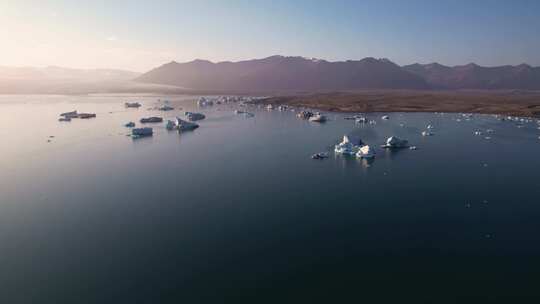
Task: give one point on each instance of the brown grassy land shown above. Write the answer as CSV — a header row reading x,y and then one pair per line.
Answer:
x,y
518,103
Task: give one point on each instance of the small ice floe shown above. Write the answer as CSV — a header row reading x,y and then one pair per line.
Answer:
x,y
365,152
318,118
394,142
385,117
361,120
183,125
151,119
372,122
487,137
141,132
64,119
282,108
429,127
195,116
130,124
170,125
349,146
320,155
304,114
132,105
477,133
489,131
204,102
413,148
165,108
72,114
86,115
270,107
246,114
427,133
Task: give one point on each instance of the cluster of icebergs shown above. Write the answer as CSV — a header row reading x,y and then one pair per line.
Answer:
x,y
355,147
210,101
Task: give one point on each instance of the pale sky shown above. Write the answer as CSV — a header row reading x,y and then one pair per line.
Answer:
x,y
139,35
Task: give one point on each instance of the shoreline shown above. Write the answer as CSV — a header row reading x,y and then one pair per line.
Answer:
x,y
513,103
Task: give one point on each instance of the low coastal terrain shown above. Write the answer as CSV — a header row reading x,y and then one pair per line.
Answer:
x,y
518,103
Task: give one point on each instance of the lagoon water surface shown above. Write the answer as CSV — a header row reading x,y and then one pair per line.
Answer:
x,y
237,211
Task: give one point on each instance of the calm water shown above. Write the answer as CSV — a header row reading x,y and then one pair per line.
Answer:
x,y
237,211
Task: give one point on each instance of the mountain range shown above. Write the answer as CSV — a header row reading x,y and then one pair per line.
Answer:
x,y
281,73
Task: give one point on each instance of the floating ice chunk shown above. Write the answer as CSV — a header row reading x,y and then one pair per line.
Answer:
x,y
320,155
183,125
349,146
132,104
365,152
195,116
318,118
395,142
151,120
140,132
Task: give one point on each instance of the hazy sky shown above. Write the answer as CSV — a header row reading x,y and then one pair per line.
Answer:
x,y
139,35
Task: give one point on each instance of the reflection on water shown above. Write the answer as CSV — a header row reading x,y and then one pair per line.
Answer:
x,y
237,209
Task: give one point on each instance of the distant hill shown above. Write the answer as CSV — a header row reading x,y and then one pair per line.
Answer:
x,y
58,80
280,73
472,76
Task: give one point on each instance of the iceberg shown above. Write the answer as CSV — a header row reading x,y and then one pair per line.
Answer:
x,y
349,146
132,104
365,152
304,114
317,118
86,115
204,102
320,155
72,114
183,125
395,142
140,132
426,133
165,108
195,116
151,120
361,120
170,125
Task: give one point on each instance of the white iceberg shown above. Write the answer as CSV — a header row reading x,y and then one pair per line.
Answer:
x,y
361,120
395,142
365,152
349,146
317,118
